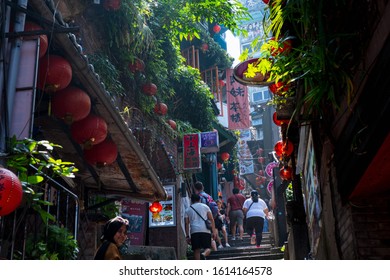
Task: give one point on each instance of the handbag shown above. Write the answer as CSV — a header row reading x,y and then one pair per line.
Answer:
x,y
206,221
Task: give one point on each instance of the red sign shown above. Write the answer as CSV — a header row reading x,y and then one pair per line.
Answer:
x,y
135,211
237,102
191,151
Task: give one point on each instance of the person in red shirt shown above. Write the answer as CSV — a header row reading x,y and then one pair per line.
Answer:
x,y
234,213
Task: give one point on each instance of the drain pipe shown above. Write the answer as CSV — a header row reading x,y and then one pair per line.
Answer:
x,y
3,50
13,71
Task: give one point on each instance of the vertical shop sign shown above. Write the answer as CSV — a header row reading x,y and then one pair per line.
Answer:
x,y
135,212
191,151
209,142
237,103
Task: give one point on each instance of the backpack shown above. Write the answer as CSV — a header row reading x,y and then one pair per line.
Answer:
x,y
208,200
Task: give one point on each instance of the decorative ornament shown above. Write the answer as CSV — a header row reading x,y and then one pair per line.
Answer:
x,y
11,192
225,156
149,89
216,28
286,173
102,154
136,65
89,131
279,122
43,40
155,207
284,148
71,104
54,73
161,109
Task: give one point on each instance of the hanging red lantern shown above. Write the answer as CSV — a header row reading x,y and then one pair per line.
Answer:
x,y
71,104
89,131
284,47
278,88
216,28
286,173
222,83
160,109
205,47
279,122
102,154
112,5
149,89
172,124
54,73
136,65
225,156
155,207
11,192
284,148
259,151
219,165
266,2
43,41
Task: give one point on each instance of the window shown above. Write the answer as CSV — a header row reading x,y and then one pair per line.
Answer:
x,y
261,96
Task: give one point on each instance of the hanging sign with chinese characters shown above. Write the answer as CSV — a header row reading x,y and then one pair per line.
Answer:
x,y
209,142
237,102
191,151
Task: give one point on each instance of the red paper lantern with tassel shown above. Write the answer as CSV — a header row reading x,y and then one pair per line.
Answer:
x,y
11,192
284,148
149,89
225,156
89,131
286,173
54,73
161,109
102,154
155,207
71,104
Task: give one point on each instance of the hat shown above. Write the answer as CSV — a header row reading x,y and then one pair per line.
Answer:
x,y
111,228
254,193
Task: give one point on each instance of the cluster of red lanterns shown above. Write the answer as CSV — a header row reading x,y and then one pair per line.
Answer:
x,y
284,149
11,192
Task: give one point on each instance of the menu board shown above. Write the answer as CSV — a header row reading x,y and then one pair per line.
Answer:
x,y
165,218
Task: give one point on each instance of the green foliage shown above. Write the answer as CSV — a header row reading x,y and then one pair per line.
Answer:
x,y
54,243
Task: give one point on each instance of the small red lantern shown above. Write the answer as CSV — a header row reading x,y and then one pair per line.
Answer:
x,y
137,65
219,165
277,121
11,192
216,28
155,207
43,41
205,47
71,104
112,5
172,124
259,151
160,109
278,88
225,156
89,131
261,160
284,148
149,89
222,83
285,47
266,2
286,173
55,73
102,154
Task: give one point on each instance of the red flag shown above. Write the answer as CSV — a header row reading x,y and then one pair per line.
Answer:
x,y
237,103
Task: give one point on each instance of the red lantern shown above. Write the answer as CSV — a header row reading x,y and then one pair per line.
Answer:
x,y
259,151
261,160
102,154
112,5
71,104
43,41
284,148
89,131
285,47
216,28
55,73
137,65
222,83
149,89
279,122
11,192
266,2
172,124
225,156
160,109
155,207
286,173
205,47
278,88
219,165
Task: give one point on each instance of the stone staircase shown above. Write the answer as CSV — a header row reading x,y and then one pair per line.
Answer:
x,y
243,250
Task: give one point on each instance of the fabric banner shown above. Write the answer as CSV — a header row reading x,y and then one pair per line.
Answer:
x,y
237,103
191,151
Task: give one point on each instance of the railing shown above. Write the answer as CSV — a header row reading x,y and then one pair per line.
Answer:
x,y
211,78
